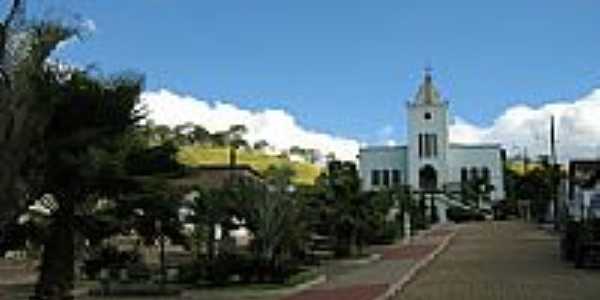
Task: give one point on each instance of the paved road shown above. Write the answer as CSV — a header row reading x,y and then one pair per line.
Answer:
x,y
502,260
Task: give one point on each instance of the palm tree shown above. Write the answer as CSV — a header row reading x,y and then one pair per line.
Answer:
x,y
27,99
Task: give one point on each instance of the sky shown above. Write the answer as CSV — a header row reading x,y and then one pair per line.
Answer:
x,y
337,74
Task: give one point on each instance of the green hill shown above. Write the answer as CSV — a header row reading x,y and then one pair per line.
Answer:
x,y
202,155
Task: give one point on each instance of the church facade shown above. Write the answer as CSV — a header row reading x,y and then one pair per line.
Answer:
x,y
429,161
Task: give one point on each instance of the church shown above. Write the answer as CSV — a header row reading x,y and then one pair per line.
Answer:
x,y
430,161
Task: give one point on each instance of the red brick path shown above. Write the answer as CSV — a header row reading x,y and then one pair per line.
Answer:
x,y
356,292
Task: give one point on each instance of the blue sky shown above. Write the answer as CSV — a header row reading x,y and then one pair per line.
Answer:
x,y
347,67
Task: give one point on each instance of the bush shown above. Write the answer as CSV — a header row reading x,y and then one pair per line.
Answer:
x,y
387,233
222,268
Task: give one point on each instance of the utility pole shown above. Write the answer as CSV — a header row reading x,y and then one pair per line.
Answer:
x,y
554,173
525,160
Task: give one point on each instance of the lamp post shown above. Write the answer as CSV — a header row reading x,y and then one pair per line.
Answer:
x,y
161,243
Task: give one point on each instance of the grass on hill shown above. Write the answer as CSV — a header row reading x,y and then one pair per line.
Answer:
x,y
306,173
518,167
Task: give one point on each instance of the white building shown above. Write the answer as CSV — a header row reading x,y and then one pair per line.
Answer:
x,y
430,161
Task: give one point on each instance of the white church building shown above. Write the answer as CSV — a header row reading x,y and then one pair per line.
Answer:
x,y
430,161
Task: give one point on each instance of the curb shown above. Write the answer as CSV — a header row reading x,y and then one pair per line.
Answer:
x,y
397,287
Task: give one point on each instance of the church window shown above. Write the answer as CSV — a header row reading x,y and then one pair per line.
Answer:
x,y
485,174
435,145
464,174
395,177
375,177
386,177
427,116
420,145
474,173
428,147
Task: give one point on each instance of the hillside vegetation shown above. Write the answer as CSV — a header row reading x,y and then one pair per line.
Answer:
x,y
196,155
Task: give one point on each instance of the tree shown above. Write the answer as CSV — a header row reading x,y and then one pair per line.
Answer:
x,y
199,135
28,96
279,177
209,208
278,228
78,160
345,209
260,145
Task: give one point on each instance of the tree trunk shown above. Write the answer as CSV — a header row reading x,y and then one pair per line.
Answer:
x,y
57,270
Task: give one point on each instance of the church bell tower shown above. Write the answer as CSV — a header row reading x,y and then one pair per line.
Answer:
x,y
427,137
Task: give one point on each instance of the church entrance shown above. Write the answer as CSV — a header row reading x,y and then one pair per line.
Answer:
x,y
427,178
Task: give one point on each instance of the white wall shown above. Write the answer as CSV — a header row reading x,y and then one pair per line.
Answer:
x,y
381,158
478,156
417,124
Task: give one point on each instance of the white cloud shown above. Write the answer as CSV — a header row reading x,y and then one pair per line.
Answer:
x,y
276,126
88,25
578,125
577,128
386,131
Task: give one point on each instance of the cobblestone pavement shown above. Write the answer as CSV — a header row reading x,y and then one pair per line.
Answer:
x,y
502,260
374,279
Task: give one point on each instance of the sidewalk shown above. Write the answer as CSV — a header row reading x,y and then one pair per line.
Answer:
x,y
384,278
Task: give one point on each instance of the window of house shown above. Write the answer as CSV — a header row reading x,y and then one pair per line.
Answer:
x,y
386,177
395,177
375,177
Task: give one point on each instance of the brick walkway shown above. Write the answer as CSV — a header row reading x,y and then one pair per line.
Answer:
x,y
502,260
373,280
